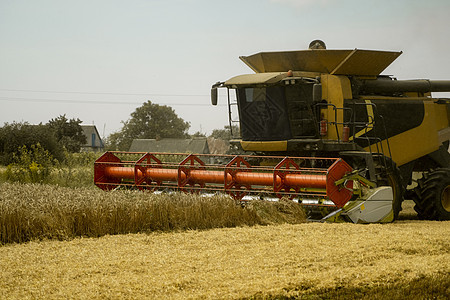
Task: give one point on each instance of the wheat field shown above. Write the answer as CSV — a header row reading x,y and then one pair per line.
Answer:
x,y
34,211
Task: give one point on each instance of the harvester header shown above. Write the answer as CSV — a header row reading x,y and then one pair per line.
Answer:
x,y
323,183
289,177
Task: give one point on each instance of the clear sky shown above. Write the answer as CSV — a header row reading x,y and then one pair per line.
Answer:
x,y
98,60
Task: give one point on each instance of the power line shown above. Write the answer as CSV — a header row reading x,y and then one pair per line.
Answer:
x,y
106,93
95,101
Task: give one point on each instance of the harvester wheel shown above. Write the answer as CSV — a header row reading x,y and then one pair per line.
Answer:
x,y
432,195
388,174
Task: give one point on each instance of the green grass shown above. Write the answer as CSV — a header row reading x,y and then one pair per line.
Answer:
x,y
77,170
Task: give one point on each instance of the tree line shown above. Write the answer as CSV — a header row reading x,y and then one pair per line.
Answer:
x,y
60,135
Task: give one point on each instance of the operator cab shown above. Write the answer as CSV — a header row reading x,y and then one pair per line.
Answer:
x,y
278,112
276,107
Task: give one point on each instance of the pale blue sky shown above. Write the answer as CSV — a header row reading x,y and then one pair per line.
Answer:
x,y
68,57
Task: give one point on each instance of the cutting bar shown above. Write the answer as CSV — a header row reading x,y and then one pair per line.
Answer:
x,y
237,176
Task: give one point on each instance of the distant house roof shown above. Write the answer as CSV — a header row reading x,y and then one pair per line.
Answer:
x,y
92,142
197,145
218,146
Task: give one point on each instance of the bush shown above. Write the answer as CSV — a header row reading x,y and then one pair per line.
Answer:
x,y
30,165
57,136
36,165
16,135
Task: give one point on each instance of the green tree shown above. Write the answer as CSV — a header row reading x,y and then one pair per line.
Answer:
x,y
15,135
150,121
198,134
68,132
225,133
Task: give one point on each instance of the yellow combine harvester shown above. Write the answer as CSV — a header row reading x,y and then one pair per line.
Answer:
x,y
324,128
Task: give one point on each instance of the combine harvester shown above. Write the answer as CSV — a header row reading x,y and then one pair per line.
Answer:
x,y
321,127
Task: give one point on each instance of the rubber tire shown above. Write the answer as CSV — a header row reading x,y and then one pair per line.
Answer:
x,y
432,195
388,174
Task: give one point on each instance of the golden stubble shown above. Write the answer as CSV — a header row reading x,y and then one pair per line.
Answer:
x,y
227,263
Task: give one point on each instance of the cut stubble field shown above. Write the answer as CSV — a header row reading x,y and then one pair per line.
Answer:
x,y
408,259
260,262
